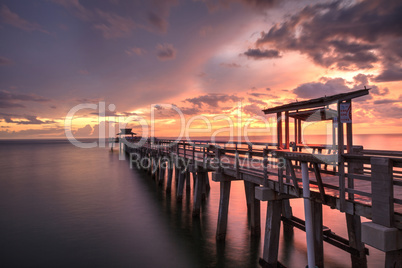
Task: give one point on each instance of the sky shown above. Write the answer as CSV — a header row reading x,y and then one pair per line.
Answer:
x,y
161,67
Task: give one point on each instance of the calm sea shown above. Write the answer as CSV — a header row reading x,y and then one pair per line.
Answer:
x,y
62,206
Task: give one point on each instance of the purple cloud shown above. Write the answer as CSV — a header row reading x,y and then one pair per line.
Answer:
x,y
165,52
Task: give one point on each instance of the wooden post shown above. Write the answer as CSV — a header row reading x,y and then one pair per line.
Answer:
x,y
287,130
349,132
162,169
272,231
199,181
316,208
382,191
169,179
382,202
355,240
299,132
223,209
287,212
253,208
188,180
237,163
341,167
279,130
180,185
295,130
265,165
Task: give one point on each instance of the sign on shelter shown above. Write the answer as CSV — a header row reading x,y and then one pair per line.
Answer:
x,y
346,113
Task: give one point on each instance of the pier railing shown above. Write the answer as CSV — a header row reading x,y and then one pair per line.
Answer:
x,y
371,183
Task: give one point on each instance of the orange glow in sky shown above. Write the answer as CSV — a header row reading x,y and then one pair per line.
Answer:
x,y
214,61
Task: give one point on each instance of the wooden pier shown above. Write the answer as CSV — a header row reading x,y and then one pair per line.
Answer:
x,y
358,182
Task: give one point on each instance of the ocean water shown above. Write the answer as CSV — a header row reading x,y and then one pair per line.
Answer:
x,y
63,206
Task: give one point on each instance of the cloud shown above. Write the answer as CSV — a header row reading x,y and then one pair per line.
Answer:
x,y
158,22
43,132
29,120
212,100
387,101
12,100
84,131
165,52
135,51
113,25
392,73
230,65
256,101
5,61
214,5
159,15
11,18
253,110
257,53
256,94
344,36
319,89
109,24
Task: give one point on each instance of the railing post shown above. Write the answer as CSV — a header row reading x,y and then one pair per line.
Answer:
x,y
382,191
265,165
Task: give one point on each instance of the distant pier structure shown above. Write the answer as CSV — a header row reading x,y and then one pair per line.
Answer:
x,y
346,177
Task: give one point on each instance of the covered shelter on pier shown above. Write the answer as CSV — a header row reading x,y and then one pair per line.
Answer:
x,y
316,110
313,110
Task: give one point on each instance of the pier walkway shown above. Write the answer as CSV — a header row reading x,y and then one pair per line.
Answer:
x,y
349,178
